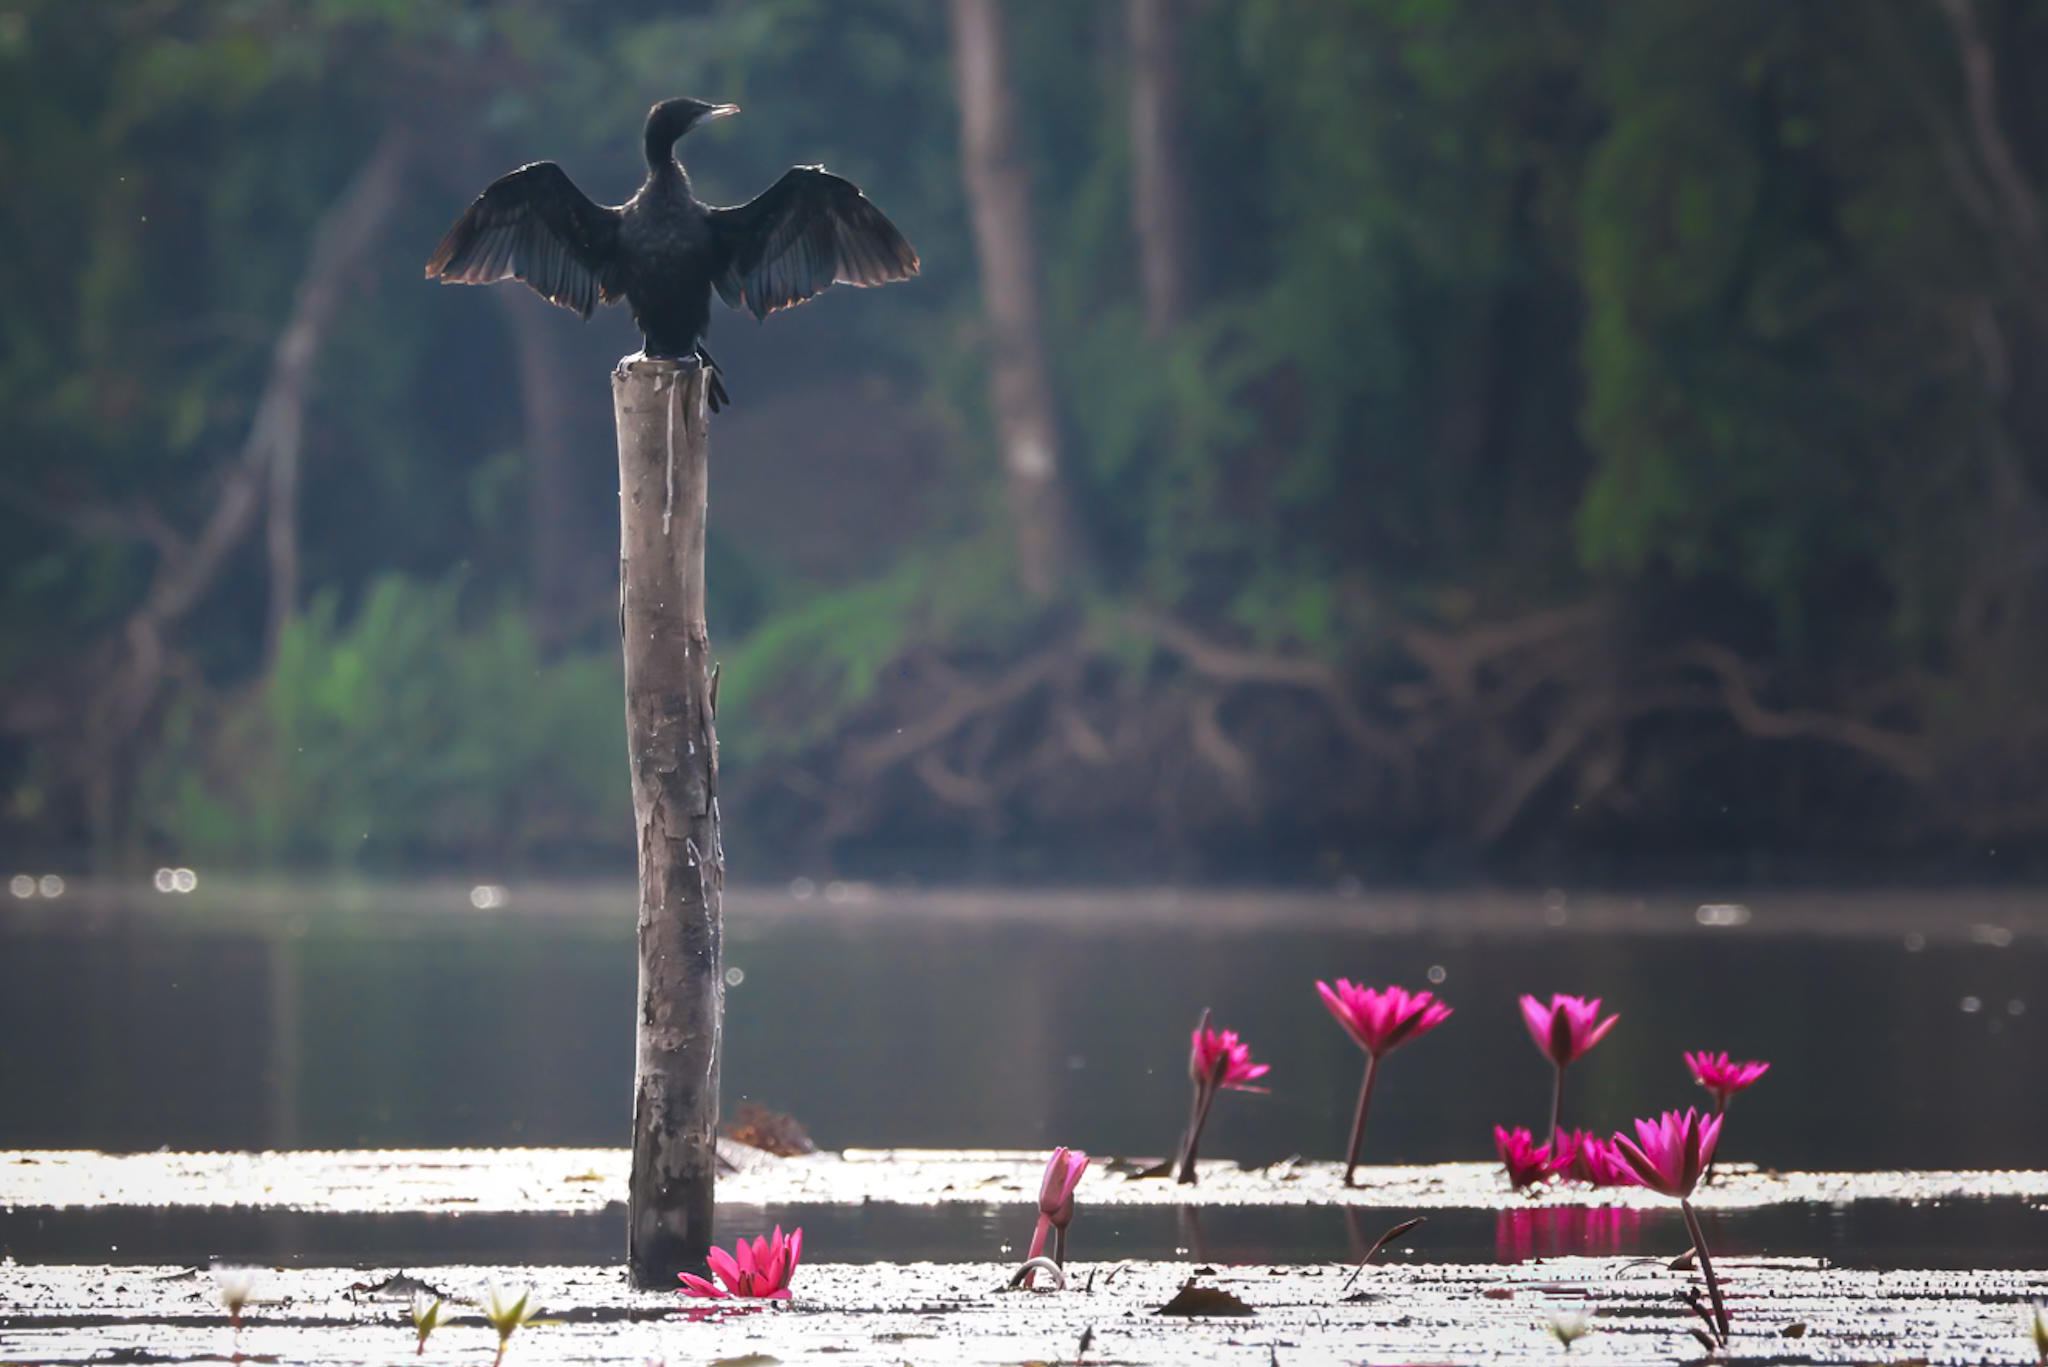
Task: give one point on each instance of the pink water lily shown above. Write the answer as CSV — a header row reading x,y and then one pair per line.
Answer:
x,y
757,1271
1668,1155
1527,1161
1723,1077
1593,1160
1219,1058
1379,1020
1567,1028
1564,1031
1063,1172
1217,1061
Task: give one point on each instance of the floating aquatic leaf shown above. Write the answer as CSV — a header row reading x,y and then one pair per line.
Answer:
x,y
1194,1301
397,1286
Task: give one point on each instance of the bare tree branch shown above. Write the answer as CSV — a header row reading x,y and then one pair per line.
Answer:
x,y
1226,665
1454,661
1219,751
1896,751
2015,220
343,240
1528,777
100,521
964,701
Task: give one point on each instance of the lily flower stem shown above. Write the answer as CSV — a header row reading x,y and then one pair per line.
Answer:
x,y
1556,1106
1198,1118
1038,1234
1372,1073
1720,1111
1699,1243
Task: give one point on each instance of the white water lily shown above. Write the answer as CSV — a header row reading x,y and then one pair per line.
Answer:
x,y
1569,1326
507,1314
236,1287
426,1317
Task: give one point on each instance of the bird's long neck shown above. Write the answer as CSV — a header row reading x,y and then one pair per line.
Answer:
x,y
666,173
664,129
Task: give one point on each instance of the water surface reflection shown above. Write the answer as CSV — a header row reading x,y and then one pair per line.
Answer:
x,y
289,1027
1873,1234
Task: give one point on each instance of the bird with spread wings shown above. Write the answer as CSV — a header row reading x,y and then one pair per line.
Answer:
x,y
664,252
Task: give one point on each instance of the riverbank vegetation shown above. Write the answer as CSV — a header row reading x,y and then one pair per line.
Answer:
x,y
1561,438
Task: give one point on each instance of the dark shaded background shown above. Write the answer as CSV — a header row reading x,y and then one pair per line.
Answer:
x,y
1594,438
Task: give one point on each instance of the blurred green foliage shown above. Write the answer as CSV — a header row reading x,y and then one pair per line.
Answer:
x,y
1501,301
402,736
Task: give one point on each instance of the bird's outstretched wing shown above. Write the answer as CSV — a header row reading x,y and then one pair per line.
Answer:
x,y
534,224
806,231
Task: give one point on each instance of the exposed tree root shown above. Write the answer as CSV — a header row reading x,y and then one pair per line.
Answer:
x,y
1464,732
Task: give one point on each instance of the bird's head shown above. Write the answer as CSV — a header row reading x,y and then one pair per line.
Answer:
x,y
670,119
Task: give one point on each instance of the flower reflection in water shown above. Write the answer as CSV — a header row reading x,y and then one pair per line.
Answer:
x,y
1567,1232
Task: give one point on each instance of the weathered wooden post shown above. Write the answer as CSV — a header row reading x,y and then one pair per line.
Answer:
x,y
669,704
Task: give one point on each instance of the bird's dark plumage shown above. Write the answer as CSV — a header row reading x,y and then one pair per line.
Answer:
x,y
663,252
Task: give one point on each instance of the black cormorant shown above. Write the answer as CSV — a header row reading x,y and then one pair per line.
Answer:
x,y
663,252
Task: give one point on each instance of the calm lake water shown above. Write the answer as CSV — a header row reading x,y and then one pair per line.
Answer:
x,y
406,1017
1881,1234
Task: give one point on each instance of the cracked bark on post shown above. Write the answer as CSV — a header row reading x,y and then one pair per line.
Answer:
x,y
669,714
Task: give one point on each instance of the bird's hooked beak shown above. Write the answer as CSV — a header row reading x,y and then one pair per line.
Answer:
x,y
718,111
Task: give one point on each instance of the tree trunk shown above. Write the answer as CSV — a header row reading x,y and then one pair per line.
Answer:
x,y
344,239
674,752
999,199
553,562
1159,198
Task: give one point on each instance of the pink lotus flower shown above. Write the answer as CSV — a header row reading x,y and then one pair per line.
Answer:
x,y
1063,1172
1379,1020
1593,1160
1209,1048
1723,1077
1564,1030
1217,1060
760,1271
1527,1161
1668,1155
